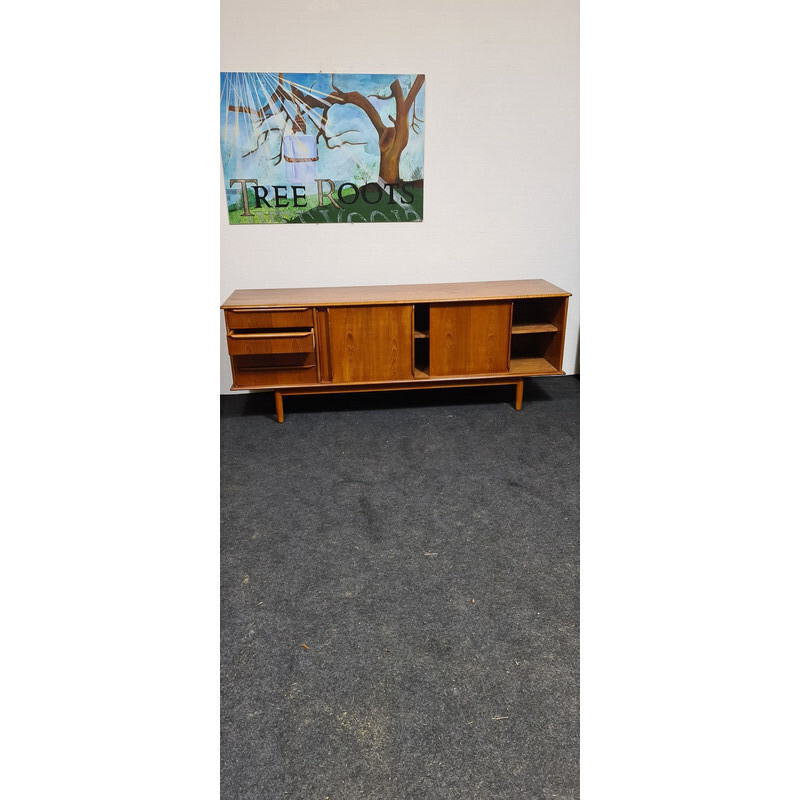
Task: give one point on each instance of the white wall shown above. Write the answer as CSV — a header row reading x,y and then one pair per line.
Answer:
x,y
502,98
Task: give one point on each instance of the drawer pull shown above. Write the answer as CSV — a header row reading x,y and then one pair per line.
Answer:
x,y
264,367
269,309
282,335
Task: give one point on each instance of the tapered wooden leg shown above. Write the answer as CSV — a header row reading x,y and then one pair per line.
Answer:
x,y
279,406
518,404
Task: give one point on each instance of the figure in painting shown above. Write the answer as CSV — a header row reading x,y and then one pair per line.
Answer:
x,y
300,154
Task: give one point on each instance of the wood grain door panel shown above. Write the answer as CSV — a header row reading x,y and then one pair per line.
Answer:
x,y
469,338
370,343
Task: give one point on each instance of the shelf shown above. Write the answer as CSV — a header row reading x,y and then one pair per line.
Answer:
x,y
539,366
534,327
422,335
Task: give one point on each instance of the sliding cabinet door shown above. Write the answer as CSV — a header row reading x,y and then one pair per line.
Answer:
x,y
370,343
469,338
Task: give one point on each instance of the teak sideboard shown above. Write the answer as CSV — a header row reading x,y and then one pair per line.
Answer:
x,y
375,338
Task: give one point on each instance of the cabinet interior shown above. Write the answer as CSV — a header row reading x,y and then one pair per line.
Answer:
x,y
422,344
537,335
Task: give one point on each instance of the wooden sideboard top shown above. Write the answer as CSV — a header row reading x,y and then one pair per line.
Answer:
x,y
404,293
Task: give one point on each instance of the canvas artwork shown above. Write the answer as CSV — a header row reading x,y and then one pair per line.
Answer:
x,y
318,148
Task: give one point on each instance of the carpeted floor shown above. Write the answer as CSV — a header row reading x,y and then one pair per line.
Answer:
x,y
400,595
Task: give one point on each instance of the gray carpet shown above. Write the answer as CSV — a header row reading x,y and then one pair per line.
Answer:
x,y
400,595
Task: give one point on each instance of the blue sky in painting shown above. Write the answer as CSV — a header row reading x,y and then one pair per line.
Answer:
x,y
240,132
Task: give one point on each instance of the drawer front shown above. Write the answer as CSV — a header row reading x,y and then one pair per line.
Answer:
x,y
269,378
271,343
274,318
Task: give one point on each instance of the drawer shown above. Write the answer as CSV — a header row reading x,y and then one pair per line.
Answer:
x,y
274,377
249,318
266,343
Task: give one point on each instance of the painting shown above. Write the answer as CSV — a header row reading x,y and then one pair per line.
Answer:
x,y
321,148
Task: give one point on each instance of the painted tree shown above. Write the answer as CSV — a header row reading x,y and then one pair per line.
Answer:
x,y
290,104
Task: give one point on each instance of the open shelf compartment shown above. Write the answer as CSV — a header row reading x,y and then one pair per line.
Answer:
x,y
538,315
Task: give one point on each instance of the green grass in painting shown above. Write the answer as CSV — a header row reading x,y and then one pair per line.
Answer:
x,y
359,210
352,210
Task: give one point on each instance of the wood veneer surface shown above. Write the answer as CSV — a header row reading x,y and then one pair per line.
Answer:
x,y
378,295
469,338
370,343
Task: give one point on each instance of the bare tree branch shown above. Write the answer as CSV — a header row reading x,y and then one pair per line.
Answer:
x,y
260,141
414,90
415,119
341,144
358,99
